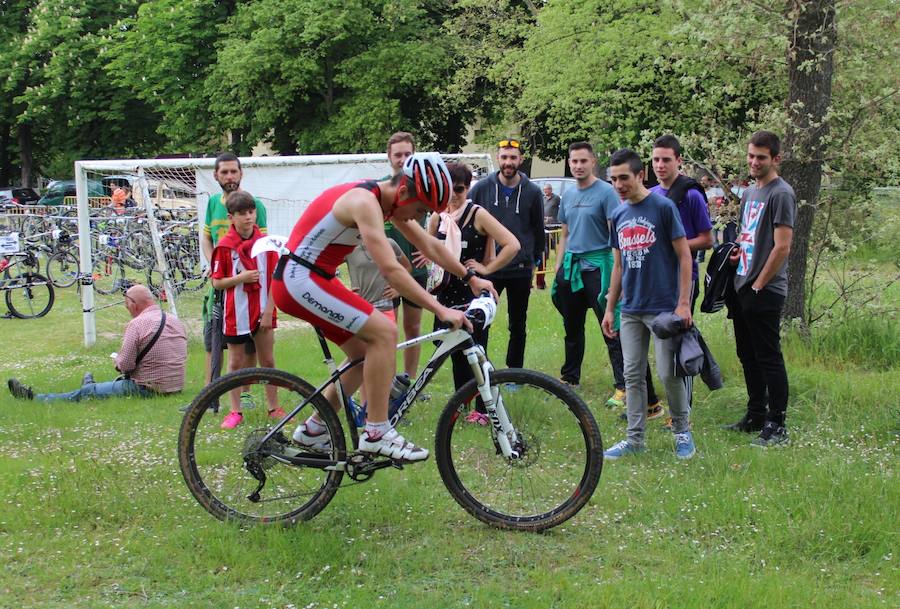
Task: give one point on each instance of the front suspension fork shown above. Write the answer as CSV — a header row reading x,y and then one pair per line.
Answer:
x,y
503,431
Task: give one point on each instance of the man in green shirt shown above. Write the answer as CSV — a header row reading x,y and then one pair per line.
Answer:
x,y
400,146
227,172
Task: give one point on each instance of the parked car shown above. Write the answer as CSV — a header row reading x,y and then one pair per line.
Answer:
x,y
58,191
18,195
560,185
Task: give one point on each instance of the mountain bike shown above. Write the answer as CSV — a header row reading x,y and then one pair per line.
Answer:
x,y
533,467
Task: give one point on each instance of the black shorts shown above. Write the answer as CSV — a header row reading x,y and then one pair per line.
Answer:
x,y
249,345
241,339
422,281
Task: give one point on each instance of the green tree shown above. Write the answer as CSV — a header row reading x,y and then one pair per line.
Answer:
x,y
334,76
13,24
163,54
487,38
619,74
819,72
835,65
63,105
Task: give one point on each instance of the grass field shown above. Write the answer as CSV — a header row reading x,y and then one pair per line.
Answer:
x,y
94,512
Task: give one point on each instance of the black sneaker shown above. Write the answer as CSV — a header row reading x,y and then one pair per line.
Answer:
x,y
772,435
747,424
573,384
87,379
20,391
214,407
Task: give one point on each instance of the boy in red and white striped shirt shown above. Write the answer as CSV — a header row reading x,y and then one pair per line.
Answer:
x,y
249,309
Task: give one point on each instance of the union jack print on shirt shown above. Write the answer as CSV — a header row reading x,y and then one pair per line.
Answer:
x,y
753,211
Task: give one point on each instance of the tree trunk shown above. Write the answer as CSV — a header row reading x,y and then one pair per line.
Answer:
x,y
810,71
26,160
238,144
4,155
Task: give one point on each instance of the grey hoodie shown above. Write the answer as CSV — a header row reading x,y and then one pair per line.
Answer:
x,y
522,215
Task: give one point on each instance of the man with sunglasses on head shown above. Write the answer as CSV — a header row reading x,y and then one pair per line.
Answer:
x,y
518,204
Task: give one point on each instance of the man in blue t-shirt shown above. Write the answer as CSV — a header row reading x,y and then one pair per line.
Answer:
x,y
652,273
584,269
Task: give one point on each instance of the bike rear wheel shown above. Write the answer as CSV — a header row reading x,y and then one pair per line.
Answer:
x,y
218,464
29,295
108,274
63,269
561,453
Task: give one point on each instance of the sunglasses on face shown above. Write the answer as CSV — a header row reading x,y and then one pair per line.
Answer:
x,y
459,188
509,144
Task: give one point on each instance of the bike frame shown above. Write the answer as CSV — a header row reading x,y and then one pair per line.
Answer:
x,y
451,341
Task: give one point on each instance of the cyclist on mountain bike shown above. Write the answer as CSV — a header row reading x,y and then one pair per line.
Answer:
x,y
304,285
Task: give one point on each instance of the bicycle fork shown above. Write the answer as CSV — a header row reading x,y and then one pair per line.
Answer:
x,y
503,431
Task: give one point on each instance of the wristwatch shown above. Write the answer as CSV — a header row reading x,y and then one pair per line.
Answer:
x,y
469,274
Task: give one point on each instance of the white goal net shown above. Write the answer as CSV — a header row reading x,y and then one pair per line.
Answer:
x,y
138,220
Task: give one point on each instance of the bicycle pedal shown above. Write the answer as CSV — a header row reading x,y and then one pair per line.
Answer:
x,y
398,464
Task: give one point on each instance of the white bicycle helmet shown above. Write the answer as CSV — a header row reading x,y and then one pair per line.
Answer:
x,y
433,185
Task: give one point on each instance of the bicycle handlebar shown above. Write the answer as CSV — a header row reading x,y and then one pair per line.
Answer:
x,y
482,310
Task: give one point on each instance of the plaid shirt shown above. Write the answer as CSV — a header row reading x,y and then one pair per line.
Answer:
x,y
162,368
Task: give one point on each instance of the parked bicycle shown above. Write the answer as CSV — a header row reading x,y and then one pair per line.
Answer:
x,y
28,294
535,466
63,267
181,250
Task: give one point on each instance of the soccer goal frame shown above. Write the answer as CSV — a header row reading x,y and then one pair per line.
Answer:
x,y
319,169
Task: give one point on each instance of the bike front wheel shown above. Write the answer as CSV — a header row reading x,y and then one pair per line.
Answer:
x,y
559,445
29,295
223,467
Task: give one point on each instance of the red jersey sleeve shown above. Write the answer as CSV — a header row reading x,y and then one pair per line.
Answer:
x,y
221,263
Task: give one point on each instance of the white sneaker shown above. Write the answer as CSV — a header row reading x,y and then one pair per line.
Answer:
x,y
392,445
320,441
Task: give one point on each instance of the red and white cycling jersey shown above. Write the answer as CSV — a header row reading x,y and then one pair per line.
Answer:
x,y
320,239
244,303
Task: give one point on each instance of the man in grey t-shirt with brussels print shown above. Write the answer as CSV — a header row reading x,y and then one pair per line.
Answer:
x,y
768,209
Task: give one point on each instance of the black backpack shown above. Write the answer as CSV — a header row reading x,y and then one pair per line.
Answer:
x,y
718,283
680,186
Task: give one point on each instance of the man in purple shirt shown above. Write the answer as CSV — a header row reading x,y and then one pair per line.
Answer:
x,y
688,196
690,200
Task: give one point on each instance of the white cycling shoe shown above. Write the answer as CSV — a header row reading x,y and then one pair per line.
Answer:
x,y
320,441
392,445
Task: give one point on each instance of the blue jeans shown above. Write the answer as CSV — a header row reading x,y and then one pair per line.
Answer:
x,y
98,391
